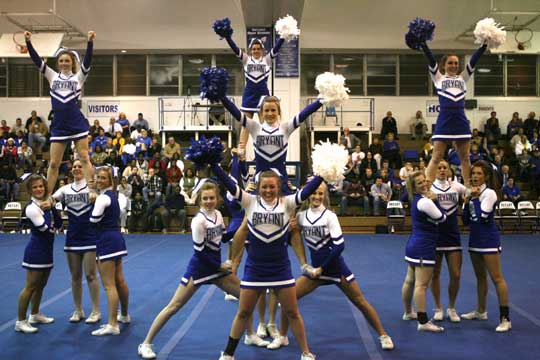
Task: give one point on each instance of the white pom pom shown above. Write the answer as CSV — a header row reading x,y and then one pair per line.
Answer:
x,y
488,31
287,28
332,90
329,161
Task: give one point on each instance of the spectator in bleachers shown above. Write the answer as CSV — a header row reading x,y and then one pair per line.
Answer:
x,y
384,176
157,214
155,147
475,155
140,123
124,123
357,155
116,161
95,129
142,164
10,153
516,138
523,165
349,140
427,150
389,125
171,148
386,166
91,145
119,142
37,135
354,194
128,151
109,148
349,169
128,170
19,138
535,140
143,143
135,133
123,204
530,124
4,127
9,182
418,126
137,221
176,160
534,172
381,194
368,179
522,145
173,177
405,171
376,149
513,126
157,159
32,120
113,128
99,158
511,192
25,157
135,180
422,166
504,174
226,155
497,162
368,162
125,188
18,127
187,183
175,204
492,128
100,138
391,151
154,184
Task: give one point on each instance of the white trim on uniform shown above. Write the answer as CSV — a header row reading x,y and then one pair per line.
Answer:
x,y
486,250
108,256
37,266
68,137
209,277
267,283
461,136
449,248
330,278
420,261
88,247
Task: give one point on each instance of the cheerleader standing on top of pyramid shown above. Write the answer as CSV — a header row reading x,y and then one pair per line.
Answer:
x,y
68,124
452,124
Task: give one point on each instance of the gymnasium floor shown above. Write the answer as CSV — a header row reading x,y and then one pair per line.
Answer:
x,y
335,330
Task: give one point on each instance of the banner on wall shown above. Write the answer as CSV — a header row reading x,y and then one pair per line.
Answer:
x,y
432,108
288,60
96,109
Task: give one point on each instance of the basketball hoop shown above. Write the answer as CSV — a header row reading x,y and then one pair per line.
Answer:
x,y
523,38
21,47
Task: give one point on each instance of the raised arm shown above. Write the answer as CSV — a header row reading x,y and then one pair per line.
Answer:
x,y
277,46
228,182
33,53
475,57
429,55
309,189
233,46
235,112
304,114
102,202
87,62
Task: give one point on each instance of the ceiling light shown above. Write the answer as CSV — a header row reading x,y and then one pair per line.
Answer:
x,y
196,61
484,70
123,51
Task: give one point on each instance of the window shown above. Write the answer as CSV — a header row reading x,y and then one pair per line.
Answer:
x,y
381,75
312,65
3,77
521,72
236,74
351,66
413,75
191,70
131,75
164,74
489,76
23,78
100,79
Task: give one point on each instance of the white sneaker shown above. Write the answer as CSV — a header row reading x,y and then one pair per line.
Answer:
x,y
272,330
225,356
429,326
39,318
386,342
25,327
77,316
93,318
124,319
261,330
254,339
410,316
307,356
146,351
229,297
106,330
453,315
278,342
439,315
123,230
474,315
504,326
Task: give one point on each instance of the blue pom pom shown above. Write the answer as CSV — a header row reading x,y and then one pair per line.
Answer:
x,y
205,151
420,31
223,28
214,82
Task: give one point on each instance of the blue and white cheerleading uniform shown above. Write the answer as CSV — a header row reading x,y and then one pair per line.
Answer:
x,y
68,122
448,195
452,124
322,234
38,254
237,214
484,237
425,215
267,264
110,244
81,235
256,72
207,229
271,142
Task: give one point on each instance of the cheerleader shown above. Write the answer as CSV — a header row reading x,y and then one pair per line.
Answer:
x,y
80,244
448,241
420,249
205,267
38,256
68,123
485,244
267,264
452,124
322,234
110,248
